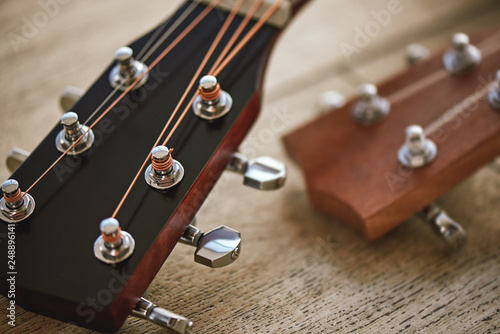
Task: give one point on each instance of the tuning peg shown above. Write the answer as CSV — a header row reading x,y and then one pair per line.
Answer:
x,y
418,151
164,172
113,245
462,56
212,102
416,53
370,108
148,311
69,97
15,158
15,206
447,228
494,95
329,101
127,70
216,248
71,132
262,173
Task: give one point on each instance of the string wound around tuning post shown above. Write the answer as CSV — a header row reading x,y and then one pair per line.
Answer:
x,y
212,102
113,245
15,206
164,172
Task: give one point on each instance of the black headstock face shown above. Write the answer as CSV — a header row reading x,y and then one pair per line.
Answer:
x,y
58,272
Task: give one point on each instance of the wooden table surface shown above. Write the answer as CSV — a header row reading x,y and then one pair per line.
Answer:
x,y
300,271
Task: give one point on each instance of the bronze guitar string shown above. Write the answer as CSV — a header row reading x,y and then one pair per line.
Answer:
x,y
147,51
267,15
237,33
13,198
179,38
163,165
215,43
238,48
146,46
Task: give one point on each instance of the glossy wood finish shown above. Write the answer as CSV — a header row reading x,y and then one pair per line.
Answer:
x,y
353,172
61,277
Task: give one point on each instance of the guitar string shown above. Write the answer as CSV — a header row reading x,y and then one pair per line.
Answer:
x,y
267,15
237,33
202,65
146,46
179,38
238,48
96,111
169,32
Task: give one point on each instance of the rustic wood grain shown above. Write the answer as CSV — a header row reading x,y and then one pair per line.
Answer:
x,y
299,271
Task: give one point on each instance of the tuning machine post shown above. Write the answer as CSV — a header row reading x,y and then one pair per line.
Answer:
x,y
494,96
128,70
15,158
74,137
216,248
164,171
153,313
418,151
15,206
416,53
113,245
262,173
69,97
448,229
462,56
329,101
212,102
370,108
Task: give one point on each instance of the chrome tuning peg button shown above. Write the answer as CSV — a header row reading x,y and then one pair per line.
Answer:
x,y
370,108
15,205
75,137
418,151
212,102
128,70
447,228
494,95
462,56
416,53
15,158
113,245
175,323
164,172
216,248
69,97
262,173
329,101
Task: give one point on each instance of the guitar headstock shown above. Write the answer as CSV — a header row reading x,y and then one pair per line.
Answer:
x,y
356,163
65,258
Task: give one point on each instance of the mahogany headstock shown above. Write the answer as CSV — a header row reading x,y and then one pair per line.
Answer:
x,y
352,171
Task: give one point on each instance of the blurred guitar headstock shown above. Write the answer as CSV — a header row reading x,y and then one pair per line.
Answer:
x,y
396,148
